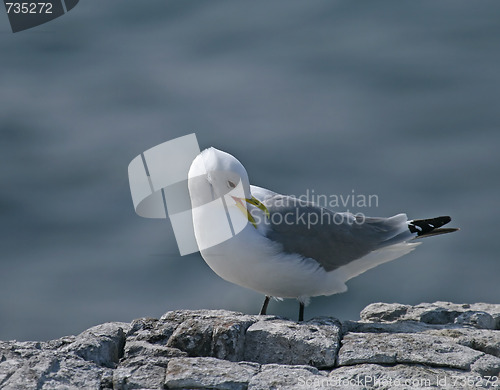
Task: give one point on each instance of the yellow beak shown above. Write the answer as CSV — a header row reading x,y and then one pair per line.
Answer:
x,y
244,210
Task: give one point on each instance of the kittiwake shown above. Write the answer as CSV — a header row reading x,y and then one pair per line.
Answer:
x,y
278,251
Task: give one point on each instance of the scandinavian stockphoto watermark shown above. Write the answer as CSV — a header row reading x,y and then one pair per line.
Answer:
x,y
297,210
24,15
371,381
159,186
344,201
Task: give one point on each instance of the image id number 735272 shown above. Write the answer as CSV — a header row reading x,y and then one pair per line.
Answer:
x,y
29,8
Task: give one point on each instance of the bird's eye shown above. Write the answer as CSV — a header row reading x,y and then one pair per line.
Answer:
x,y
231,184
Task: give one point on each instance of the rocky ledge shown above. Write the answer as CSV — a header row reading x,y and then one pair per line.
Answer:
x,y
393,346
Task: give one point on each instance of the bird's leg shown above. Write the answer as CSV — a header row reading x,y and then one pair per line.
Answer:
x,y
264,306
301,311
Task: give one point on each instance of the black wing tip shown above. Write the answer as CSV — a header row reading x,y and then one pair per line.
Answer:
x,y
437,232
428,227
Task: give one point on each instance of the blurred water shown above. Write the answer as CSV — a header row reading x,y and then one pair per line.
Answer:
x,y
398,99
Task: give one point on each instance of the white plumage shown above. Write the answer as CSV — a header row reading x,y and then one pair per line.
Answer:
x,y
285,260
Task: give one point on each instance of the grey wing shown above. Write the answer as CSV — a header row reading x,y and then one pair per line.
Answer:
x,y
332,239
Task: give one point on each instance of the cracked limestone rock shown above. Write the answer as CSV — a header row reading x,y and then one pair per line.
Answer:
x,y
437,345
313,342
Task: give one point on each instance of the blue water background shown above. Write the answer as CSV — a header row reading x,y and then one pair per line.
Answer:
x,y
398,99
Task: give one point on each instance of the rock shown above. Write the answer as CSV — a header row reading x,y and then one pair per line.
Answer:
x,y
102,344
492,309
394,346
477,319
386,327
151,330
417,348
220,334
400,376
486,365
146,375
206,372
278,376
313,342
26,369
139,350
478,339
382,312
479,315
143,365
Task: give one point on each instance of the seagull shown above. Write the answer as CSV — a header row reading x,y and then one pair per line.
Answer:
x,y
285,247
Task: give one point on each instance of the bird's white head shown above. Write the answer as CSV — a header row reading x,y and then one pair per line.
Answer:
x,y
216,174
